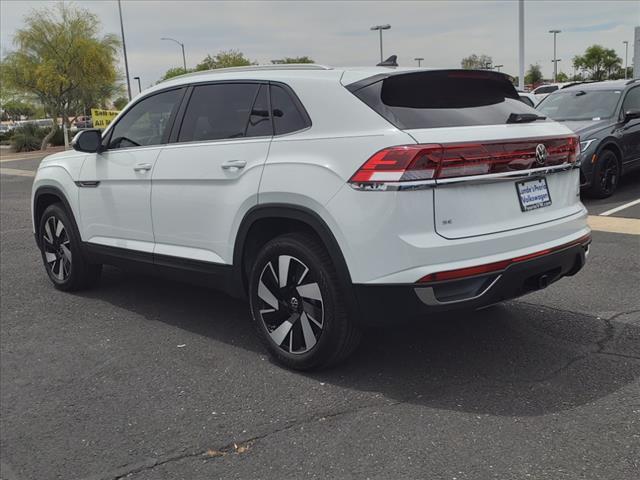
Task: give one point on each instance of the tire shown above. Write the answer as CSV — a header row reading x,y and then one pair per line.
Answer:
x,y
302,318
61,251
606,175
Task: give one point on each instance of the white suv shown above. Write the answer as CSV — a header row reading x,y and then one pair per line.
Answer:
x,y
332,198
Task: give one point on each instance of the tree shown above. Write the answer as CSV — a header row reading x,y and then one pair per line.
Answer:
x,y
598,63
475,62
562,77
173,72
62,60
120,102
16,109
534,75
224,59
284,60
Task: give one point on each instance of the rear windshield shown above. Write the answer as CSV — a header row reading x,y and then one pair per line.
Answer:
x,y
581,104
449,98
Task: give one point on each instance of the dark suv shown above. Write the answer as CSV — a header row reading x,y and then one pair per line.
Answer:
x,y
606,115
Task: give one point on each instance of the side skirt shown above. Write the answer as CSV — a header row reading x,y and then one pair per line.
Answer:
x,y
214,275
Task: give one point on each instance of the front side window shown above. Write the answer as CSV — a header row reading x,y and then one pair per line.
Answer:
x,y
632,101
222,111
145,123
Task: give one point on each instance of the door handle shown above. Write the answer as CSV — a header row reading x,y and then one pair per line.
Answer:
x,y
233,164
142,167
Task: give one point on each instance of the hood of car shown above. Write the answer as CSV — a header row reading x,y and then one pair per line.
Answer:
x,y
586,128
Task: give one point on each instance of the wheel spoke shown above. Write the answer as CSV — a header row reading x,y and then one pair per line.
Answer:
x,y
307,332
265,294
304,274
318,324
66,251
283,269
310,290
47,232
60,274
59,229
50,257
280,333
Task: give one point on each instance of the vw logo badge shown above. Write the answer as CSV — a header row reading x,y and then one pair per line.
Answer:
x,y
541,154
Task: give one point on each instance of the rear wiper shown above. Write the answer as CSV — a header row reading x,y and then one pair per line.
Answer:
x,y
524,117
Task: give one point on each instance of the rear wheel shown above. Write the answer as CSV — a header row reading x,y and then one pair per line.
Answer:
x,y
297,306
64,262
606,175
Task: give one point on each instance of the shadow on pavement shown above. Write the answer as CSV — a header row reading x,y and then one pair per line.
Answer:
x,y
513,359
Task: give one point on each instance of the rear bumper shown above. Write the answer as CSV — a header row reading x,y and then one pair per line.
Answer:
x,y
388,304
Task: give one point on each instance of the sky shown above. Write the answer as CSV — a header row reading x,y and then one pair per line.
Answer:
x,y
337,33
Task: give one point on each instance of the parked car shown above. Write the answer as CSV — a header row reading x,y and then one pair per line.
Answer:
x,y
543,90
528,98
606,115
333,199
81,123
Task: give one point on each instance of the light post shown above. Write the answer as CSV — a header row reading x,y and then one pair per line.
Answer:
x,y
124,51
139,87
555,60
184,59
380,28
626,53
498,67
419,60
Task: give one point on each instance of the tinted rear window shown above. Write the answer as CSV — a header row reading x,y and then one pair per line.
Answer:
x,y
448,98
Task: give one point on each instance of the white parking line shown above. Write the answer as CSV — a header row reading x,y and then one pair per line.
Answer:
x,y
621,207
630,226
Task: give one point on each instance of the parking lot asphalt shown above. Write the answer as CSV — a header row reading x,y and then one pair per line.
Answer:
x,y
148,379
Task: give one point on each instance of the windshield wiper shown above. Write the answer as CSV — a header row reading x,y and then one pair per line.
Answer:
x,y
524,117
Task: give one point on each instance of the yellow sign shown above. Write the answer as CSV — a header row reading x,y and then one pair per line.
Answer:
x,y
102,118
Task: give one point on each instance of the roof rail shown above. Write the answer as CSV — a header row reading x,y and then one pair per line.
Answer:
x,y
633,80
256,68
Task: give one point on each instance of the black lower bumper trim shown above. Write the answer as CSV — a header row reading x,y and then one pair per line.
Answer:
x,y
386,304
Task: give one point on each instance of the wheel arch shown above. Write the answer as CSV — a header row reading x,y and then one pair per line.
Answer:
x,y
45,196
612,145
278,219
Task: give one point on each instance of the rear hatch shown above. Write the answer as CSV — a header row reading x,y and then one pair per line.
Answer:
x,y
496,166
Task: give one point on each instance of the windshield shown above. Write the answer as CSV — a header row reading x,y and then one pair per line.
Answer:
x,y
580,104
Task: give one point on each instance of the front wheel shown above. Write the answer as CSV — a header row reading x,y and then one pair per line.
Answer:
x,y
63,259
297,305
606,175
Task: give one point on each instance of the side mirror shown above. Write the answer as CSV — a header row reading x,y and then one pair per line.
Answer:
x,y
87,141
631,114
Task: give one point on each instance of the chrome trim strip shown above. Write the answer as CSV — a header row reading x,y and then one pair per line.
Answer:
x,y
473,179
428,297
87,183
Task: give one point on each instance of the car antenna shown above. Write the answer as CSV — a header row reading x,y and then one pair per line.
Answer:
x,y
392,61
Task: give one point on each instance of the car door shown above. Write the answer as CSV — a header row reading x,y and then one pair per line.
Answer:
x,y
208,176
115,184
631,128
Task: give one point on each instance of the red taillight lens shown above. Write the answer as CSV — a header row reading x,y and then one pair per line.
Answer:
x,y
394,164
433,161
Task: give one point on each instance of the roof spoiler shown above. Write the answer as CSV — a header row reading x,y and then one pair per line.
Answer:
x,y
392,61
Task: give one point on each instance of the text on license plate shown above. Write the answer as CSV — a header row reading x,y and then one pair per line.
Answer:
x,y
533,194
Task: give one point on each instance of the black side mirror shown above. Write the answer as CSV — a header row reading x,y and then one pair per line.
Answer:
x,y
631,114
87,141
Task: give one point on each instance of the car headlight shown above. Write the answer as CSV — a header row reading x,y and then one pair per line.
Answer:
x,y
585,145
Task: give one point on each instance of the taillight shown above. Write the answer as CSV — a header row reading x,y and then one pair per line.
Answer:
x,y
433,161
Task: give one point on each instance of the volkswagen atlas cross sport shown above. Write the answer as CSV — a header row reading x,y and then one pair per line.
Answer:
x,y
332,199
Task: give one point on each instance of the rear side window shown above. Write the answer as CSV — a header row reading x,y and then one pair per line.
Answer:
x,y
219,111
288,115
546,89
259,121
449,98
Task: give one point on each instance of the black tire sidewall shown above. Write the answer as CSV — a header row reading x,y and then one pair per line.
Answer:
x,y
77,259
331,333
603,159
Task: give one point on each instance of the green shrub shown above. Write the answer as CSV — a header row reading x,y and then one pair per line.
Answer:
x,y
58,137
27,138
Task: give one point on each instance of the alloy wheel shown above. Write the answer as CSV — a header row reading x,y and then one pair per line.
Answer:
x,y
609,176
291,306
57,248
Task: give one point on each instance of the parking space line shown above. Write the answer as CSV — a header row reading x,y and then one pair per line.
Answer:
x,y
621,207
630,226
15,171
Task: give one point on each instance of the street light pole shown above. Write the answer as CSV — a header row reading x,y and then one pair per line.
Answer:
x,y
124,50
555,60
626,53
521,45
380,28
184,59
139,87
419,60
